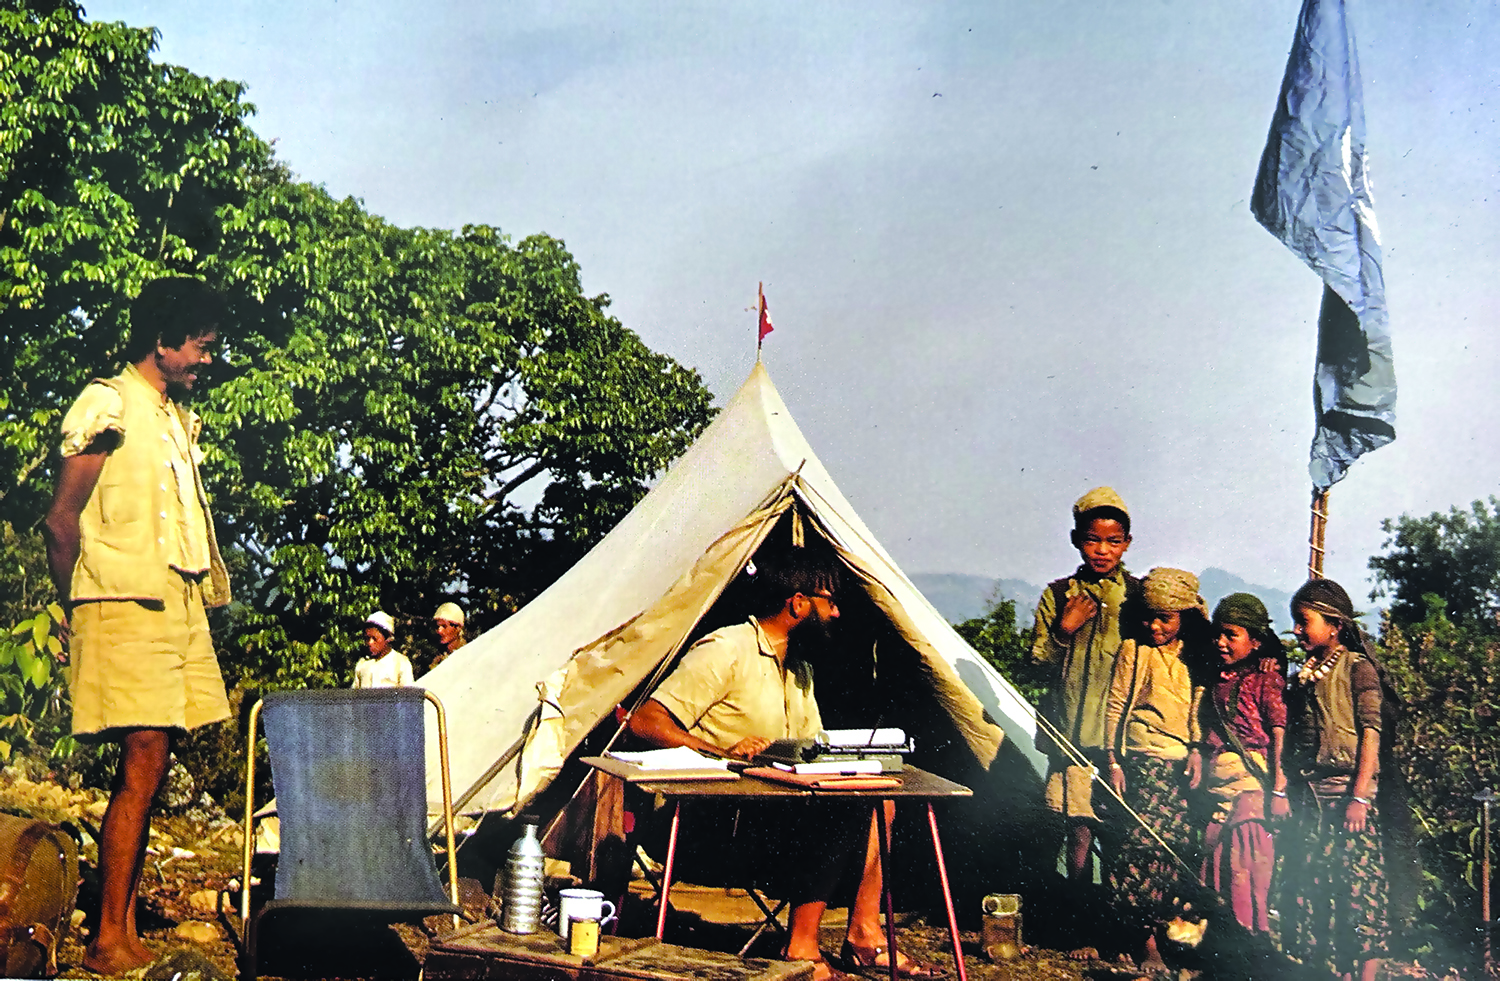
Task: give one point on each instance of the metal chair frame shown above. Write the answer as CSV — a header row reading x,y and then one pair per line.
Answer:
x,y
248,924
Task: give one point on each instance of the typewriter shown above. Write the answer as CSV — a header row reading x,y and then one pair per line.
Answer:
x,y
841,750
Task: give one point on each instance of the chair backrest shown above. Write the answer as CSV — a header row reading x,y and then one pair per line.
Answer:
x,y
351,791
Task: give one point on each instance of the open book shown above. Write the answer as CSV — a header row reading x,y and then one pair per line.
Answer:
x,y
677,763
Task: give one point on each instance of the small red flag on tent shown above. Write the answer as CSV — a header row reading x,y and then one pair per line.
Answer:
x,y
765,317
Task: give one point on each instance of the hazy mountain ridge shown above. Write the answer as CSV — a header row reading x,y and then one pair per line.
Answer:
x,y
960,597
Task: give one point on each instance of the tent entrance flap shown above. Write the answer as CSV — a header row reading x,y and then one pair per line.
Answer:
x,y
602,675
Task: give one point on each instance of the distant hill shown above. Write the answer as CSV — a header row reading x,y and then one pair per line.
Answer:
x,y
1215,584
960,597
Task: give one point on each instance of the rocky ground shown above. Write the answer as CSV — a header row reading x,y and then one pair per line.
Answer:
x,y
192,876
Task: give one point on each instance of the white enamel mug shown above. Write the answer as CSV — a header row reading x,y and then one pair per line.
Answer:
x,y
583,904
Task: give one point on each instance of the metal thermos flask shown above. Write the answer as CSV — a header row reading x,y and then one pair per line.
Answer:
x,y
521,897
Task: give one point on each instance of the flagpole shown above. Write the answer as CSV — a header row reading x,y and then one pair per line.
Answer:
x,y
760,313
763,319
1317,533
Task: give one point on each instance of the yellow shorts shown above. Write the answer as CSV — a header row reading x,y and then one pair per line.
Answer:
x,y
1070,792
132,665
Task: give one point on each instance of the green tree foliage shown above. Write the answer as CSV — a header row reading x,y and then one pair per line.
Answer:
x,y
454,415
25,586
401,414
1455,556
1448,749
1007,648
113,169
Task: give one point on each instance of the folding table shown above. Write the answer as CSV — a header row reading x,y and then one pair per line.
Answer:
x,y
916,785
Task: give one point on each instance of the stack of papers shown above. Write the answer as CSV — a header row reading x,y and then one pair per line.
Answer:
x,y
846,767
676,758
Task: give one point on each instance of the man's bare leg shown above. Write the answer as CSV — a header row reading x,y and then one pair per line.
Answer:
x,y
864,915
802,940
117,946
865,931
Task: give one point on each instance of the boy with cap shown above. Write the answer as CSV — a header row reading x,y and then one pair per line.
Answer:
x,y
1078,633
386,667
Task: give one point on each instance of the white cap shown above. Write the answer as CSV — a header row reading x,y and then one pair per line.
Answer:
x,y
450,612
382,620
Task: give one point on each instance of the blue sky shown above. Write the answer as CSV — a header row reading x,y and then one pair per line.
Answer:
x,y
1006,245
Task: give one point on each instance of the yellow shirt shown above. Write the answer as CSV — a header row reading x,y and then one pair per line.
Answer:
x,y
148,511
1150,705
729,687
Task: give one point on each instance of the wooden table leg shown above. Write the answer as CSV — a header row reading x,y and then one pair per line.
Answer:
x,y
885,887
666,872
937,849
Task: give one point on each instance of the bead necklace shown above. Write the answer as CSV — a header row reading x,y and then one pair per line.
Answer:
x,y
1315,671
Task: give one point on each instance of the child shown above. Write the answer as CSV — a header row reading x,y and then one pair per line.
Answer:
x,y
1243,720
1078,632
386,667
1335,866
1149,727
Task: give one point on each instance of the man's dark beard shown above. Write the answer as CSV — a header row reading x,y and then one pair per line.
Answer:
x,y
816,630
810,640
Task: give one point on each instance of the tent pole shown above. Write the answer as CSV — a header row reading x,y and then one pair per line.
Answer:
x,y
1317,533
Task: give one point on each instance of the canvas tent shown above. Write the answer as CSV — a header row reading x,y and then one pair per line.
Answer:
x,y
525,694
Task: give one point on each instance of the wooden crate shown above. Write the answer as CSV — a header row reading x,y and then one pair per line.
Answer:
x,y
489,952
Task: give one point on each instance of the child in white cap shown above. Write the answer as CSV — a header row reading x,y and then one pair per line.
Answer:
x,y
386,667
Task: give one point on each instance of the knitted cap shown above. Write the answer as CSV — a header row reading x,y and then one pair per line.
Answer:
x,y
450,612
1099,497
1172,589
1242,610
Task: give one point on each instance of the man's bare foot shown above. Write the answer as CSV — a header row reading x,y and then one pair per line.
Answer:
x,y
118,960
822,970
1083,954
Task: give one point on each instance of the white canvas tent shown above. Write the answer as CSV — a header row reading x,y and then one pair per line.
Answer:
x,y
522,696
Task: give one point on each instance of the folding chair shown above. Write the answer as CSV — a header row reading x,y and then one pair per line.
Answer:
x,y
349,771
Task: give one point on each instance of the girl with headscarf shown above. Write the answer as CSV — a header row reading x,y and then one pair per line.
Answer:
x,y
1242,716
1149,727
1334,861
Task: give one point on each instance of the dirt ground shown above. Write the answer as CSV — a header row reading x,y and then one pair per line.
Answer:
x,y
193,871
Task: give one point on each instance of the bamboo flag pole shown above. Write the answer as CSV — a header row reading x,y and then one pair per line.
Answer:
x,y
1317,533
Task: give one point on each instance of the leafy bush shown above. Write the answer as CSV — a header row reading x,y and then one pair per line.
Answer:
x,y
1448,748
32,687
1007,647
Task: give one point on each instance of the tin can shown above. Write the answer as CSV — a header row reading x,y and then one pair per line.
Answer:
x,y
583,938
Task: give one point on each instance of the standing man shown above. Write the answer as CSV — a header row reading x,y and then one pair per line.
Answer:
x,y
448,621
132,552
